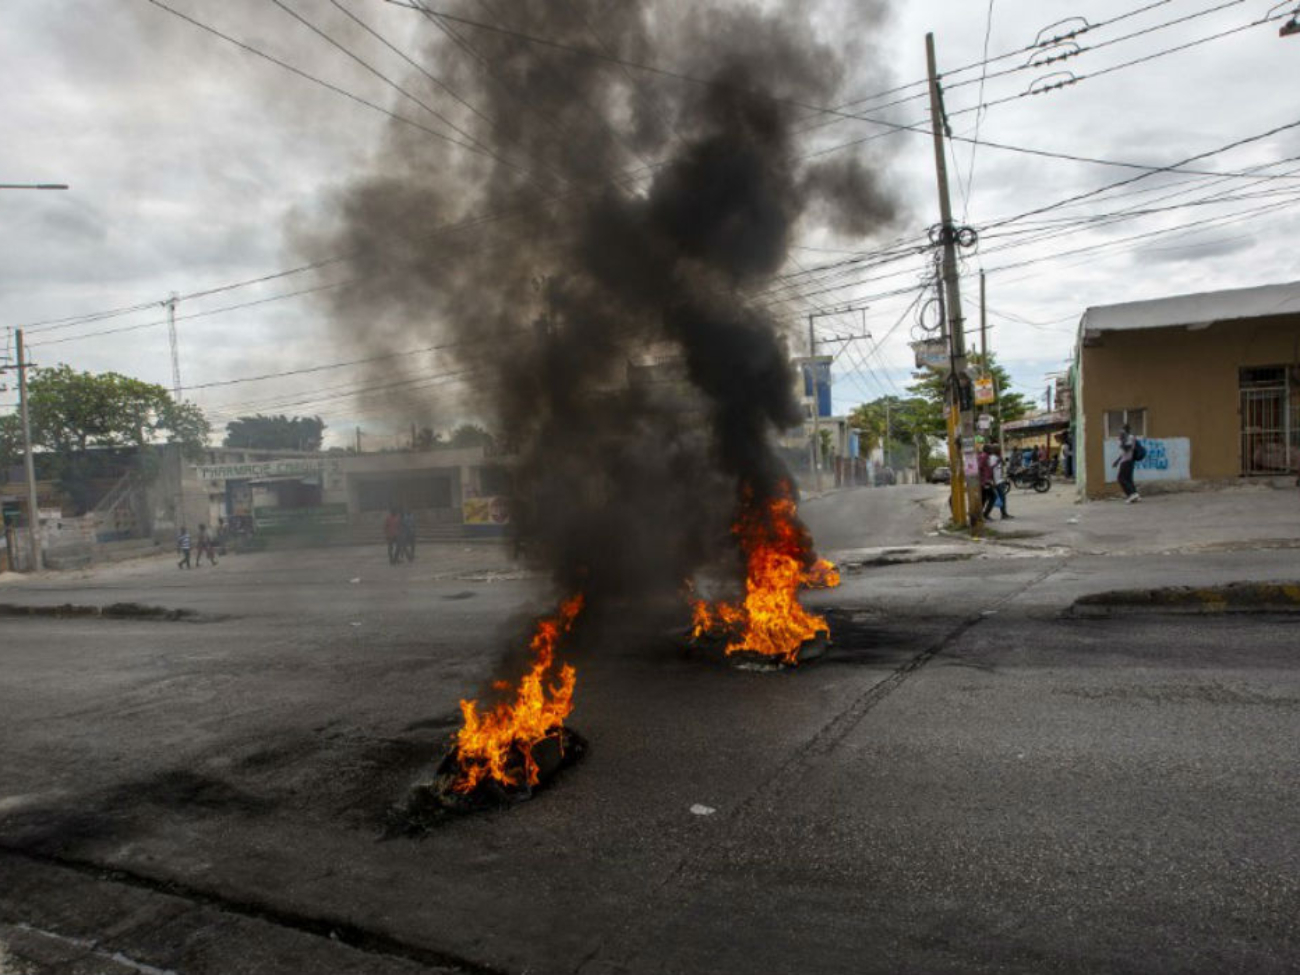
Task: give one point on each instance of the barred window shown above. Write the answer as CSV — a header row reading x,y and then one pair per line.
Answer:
x,y
1135,417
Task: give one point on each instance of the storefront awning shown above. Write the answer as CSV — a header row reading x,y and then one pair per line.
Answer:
x,y
1042,423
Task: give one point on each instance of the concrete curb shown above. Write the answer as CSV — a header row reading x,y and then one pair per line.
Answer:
x,y
115,611
1234,597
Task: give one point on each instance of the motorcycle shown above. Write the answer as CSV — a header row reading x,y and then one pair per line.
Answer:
x,y
1031,476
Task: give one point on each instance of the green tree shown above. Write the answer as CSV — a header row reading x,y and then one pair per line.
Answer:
x,y
11,441
88,425
470,435
73,411
427,438
929,386
906,421
275,432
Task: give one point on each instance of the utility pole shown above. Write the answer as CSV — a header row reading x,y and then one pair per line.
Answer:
x,y
358,440
33,513
816,405
815,451
170,305
176,352
888,432
966,507
988,368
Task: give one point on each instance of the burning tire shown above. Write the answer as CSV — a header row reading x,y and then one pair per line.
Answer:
x,y
434,801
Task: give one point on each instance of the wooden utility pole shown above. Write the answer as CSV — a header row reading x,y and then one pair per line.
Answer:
x,y
816,406
988,368
33,513
966,505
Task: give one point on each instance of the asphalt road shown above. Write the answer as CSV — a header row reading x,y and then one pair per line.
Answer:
x,y
968,781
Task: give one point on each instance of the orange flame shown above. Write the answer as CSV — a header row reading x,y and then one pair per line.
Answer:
x,y
488,740
778,556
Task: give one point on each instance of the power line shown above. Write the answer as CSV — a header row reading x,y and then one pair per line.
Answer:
x,y
979,115
1080,51
1074,80
351,96
472,141
479,220
200,314
434,79
1140,176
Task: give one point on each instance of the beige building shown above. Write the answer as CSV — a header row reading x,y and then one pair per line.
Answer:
x,y
451,492
1210,382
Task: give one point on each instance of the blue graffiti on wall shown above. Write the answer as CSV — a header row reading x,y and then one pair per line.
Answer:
x,y
1167,459
1157,458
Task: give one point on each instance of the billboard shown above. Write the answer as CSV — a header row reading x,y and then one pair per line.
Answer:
x,y
486,511
931,354
817,383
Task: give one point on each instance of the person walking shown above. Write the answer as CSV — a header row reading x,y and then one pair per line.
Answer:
x,y
205,546
408,534
1001,486
183,546
986,479
393,536
991,483
1125,462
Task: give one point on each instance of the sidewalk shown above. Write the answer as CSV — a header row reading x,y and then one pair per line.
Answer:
x,y
1249,516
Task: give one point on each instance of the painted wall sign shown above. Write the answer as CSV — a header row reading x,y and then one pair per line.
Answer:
x,y
263,469
1167,459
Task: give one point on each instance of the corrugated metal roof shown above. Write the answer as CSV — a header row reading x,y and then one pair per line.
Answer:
x,y
1193,311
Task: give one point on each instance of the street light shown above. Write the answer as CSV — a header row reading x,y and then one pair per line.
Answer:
x,y
33,186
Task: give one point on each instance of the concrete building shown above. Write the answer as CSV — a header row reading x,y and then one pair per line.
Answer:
x,y
1210,382
453,492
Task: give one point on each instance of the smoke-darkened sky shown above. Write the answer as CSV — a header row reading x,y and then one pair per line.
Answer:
x,y
195,165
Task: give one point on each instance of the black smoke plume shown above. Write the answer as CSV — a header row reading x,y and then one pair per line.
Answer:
x,y
595,276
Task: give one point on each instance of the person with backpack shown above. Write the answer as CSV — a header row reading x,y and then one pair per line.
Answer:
x,y
1129,450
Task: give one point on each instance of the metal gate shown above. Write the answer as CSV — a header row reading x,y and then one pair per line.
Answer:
x,y
1269,427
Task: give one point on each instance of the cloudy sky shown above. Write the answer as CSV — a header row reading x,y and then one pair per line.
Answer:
x,y
191,161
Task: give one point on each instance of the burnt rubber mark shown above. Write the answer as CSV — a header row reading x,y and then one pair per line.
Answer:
x,y
113,611
344,932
